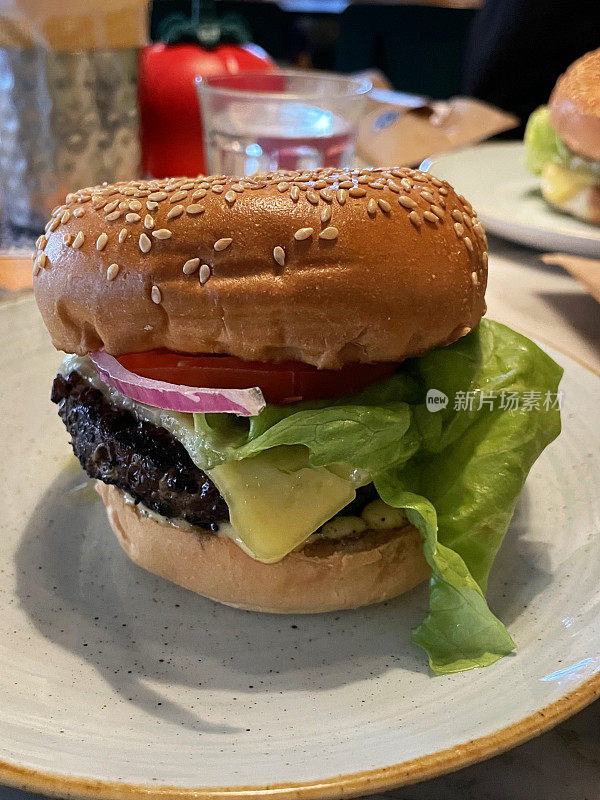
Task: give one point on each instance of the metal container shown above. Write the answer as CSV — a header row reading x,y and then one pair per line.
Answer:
x,y
67,120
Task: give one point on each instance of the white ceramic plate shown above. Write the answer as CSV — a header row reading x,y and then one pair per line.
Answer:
x,y
115,683
507,198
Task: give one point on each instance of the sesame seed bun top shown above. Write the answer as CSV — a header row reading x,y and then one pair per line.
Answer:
x,y
575,106
326,267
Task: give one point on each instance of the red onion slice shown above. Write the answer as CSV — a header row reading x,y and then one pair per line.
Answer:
x,y
173,397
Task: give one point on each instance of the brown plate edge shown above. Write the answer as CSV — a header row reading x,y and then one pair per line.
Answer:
x,y
346,786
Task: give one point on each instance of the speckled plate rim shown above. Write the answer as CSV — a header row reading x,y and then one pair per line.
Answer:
x,y
354,784
350,785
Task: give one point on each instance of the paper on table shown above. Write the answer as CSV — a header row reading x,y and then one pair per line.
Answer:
x,y
586,270
401,128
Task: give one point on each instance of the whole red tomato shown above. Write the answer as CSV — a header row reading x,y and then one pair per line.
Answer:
x,y
171,128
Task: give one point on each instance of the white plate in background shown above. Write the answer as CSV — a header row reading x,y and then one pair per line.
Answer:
x,y
507,198
115,683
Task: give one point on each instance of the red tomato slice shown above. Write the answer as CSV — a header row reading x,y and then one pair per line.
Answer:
x,y
287,382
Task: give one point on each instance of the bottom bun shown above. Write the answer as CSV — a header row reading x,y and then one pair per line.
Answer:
x,y
585,204
322,576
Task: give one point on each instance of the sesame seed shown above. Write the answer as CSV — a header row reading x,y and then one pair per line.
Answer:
x,y
363,179
174,212
151,206
303,233
320,184
148,222
145,243
372,207
484,258
295,193
99,203
346,184
468,244
279,255
384,205
41,242
479,232
36,267
283,186
376,185
312,197
122,235
393,186
112,272
474,278
195,208
406,184
457,215
155,293
464,331
357,191
230,196
123,205
114,215
443,190
415,219
222,244
101,241
237,187
430,216
341,195
329,233
437,182
217,189
326,195
53,224
200,193
326,214
204,273
135,205
42,260
78,241
157,196
78,212
459,229
132,217
439,212
191,266
427,196
162,233
407,202
109,207
177,196
65,217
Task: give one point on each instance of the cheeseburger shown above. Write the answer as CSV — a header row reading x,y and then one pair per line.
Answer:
x,y
562,141
278,382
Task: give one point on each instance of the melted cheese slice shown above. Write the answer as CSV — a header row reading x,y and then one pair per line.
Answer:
x,y
560,184
277,500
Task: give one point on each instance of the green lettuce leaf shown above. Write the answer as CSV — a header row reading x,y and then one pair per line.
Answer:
x,y
457,472
543,145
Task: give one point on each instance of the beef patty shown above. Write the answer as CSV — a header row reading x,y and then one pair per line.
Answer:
x,y
144,460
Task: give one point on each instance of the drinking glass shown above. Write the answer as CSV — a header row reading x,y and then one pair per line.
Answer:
x,y
289,119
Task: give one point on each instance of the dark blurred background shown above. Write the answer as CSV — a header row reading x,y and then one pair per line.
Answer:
x,y
508,52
